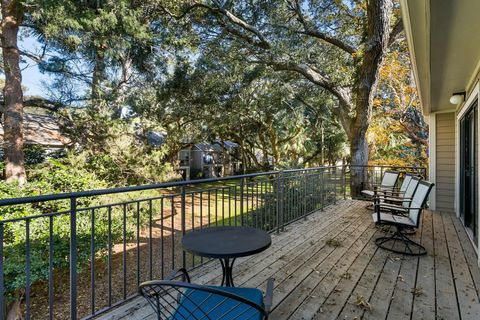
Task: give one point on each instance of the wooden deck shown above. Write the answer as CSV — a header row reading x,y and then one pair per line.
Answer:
x,y
350,278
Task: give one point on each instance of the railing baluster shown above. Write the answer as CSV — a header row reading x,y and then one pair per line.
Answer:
x,y
304,180
124,253
161,238
150,240
208,208
193,223
109,217
242,219
235,204
281,201
50,267
138,242
183,222
322,181
92,263
229,205
216,206
73,258
2,263
28,304
172,227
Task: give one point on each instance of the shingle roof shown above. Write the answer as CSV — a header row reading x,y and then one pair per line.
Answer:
x,y
41,130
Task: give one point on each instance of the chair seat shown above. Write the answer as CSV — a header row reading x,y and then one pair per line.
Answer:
x,y
369,193
196,303
392,218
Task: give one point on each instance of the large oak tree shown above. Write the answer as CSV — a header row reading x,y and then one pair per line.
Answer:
x,y
338,45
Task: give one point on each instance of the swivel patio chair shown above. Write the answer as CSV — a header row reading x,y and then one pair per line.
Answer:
x,y
400,223
182,300
389,180
398,201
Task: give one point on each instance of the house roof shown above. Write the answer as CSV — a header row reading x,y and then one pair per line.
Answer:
x,y
41,130
155,138
444,45
227,144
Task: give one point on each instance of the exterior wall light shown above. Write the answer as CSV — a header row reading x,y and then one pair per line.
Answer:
x,y
457,97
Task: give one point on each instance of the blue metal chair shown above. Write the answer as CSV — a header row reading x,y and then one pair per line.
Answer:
x,y
182,300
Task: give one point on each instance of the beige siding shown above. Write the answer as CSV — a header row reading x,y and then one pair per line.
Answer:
x,y
445,161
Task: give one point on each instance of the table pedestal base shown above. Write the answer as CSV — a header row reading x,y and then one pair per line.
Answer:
x,y
227,270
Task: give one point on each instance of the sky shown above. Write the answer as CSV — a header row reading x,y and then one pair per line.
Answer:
x,y
31,76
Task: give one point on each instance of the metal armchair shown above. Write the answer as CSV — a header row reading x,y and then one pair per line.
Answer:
x,y
175,300
402,222
389,180
398,202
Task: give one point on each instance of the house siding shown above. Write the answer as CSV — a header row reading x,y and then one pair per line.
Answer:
x,y
445,161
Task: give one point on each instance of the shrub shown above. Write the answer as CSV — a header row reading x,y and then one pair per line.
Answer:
x,y
52,177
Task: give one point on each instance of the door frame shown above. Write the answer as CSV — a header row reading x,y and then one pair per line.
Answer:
x,y
469,141
472,98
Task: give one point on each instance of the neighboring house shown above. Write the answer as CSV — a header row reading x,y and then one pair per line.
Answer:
x,y
42,130
444,41
209,160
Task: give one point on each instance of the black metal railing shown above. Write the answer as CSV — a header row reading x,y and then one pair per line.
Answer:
x,y
84,253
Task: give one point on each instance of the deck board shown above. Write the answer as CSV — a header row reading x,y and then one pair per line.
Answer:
x,y
314,280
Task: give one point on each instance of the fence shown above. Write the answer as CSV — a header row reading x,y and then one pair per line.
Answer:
x,y
84,253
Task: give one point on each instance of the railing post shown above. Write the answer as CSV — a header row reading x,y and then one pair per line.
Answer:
x,y
344,181
183,213
73,258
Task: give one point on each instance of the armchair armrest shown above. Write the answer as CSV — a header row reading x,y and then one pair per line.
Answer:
x,y
179,272
398,199
379,186
390,191
269,295
393,207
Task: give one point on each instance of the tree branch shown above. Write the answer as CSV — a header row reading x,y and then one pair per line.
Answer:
x,y
310,31
262,41
38,103
397,29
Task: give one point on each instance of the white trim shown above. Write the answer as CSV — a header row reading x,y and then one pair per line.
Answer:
x,y
456,205
423,93
432,155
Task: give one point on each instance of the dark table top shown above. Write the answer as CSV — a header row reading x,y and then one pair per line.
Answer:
x,y
226,242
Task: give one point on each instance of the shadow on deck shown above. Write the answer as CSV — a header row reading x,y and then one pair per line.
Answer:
x,y
350,278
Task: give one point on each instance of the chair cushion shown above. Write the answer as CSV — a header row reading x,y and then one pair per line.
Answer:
x,y
215,306
392,219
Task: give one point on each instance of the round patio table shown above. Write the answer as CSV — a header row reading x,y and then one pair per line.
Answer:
x,y
226,244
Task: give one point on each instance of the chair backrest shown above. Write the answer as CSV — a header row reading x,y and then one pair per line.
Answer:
x,y
182,300
406,181
419,199
389,179
410,191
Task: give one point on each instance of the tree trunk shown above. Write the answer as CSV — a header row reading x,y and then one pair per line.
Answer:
x,y
98,76
13,116
377,31
359,161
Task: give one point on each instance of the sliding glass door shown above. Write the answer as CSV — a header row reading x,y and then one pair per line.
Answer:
x,y
469,171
